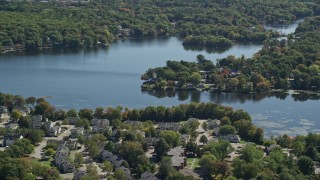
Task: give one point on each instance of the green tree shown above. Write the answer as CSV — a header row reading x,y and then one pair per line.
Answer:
x,y
171,137
306,165
107,166
227,129
16,115
219,149
49,152
206,164
161,148
78,159
120,174
203,139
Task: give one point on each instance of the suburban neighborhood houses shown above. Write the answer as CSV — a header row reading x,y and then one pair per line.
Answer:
x,y
97,145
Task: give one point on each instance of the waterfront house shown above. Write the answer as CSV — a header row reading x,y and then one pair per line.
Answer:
x,y
36,122
231,138
213,123
169,126
3,112
72,120
100,125
23,110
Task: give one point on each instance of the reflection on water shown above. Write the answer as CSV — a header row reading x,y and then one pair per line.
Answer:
x,y
221,97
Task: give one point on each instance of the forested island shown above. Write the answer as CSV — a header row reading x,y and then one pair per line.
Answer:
x,y
287,63
32,25
188,141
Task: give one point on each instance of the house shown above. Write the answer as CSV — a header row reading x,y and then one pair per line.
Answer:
x,y
133,123
179,162
190,120
60,160
114,159
185,138
100,125
12,126
190,172
178,158
76,132
148,176
270,148
177,151
72,120
54,131
23,110
9,139
213,123
126,171
169,126
151,141
71,144
50,129
3,112
36,122
231,138
79,174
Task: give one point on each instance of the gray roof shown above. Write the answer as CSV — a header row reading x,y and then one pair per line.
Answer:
x,y
177,151
177,161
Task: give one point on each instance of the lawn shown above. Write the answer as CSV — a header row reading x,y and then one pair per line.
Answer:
x,y
44,163
192,163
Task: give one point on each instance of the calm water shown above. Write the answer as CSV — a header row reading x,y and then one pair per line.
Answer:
x,y
284,29
111,76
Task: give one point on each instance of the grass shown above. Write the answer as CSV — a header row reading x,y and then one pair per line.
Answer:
x,y
195,164
44,163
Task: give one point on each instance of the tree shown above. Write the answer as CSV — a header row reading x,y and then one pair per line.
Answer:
x,y
219,149
298,148
31,100
86,114
306,165
227,129
72,113
161,148
205,126
195,78
250,153
120,174
107,166
16,115
165,168
130,150
99,112
34,135
191,147
203,139
206,164
171,137
49,152
78,159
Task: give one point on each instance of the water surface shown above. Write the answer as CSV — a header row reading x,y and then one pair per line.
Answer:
x,y
111,76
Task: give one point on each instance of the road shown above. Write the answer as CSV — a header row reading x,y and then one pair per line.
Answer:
x,y
201,132
38,149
